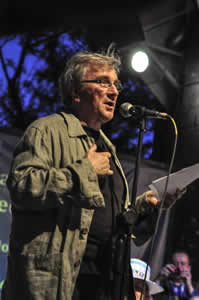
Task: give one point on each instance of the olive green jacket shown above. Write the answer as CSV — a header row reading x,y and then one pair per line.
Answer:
x,y
54,190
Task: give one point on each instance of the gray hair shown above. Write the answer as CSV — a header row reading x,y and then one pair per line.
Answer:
x,y
76,68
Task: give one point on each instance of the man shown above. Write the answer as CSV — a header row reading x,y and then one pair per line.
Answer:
x,y
68,189
144,288
176,278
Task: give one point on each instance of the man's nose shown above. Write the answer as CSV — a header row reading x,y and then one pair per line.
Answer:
x,y
113,89
179,266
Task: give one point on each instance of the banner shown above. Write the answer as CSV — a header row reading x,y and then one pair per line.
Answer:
x,y
8,140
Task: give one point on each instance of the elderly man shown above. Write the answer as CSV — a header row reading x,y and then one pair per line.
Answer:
x,y
67,189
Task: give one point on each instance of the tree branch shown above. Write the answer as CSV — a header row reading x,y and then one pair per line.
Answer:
x,y
7,40
21,59
43,39
47,38
4,66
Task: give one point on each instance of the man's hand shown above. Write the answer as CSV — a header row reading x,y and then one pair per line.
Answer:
x,y
166,272
169,201
186,274
152,199
100,161
187,277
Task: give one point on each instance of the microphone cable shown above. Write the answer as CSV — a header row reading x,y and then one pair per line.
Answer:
x,y
161,207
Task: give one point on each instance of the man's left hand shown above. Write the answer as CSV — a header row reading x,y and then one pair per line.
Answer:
x,y
169,201
152,199
187,277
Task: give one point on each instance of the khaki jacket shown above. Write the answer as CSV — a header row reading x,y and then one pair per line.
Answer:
x,y
54,190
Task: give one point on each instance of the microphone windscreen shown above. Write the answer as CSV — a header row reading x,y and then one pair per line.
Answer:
x,y
125,109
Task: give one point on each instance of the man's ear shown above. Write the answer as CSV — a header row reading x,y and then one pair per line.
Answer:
x,y
75,96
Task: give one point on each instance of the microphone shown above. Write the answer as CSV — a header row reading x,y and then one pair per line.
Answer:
x,y
129,110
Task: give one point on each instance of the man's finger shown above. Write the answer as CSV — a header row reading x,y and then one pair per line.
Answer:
x,y
107,154
93,148
110,172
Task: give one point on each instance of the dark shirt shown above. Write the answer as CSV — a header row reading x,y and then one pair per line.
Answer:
x,y
104,219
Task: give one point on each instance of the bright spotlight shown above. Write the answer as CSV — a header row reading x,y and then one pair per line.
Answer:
x,y
140,61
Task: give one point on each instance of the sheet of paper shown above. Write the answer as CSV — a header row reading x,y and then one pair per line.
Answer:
x,y
179,179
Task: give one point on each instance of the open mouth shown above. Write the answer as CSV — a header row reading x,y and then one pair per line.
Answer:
x,y
110,103
109,106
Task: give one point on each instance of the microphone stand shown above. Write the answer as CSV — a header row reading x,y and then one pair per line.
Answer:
x,y
142,129
123,271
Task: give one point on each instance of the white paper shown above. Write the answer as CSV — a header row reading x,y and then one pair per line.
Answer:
x,y
178,180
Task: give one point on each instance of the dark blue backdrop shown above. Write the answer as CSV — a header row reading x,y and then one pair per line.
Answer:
x,y
8,140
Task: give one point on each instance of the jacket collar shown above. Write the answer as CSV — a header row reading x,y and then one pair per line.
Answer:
x,y
75,128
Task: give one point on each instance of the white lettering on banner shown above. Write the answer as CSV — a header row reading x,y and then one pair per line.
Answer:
x,y
3,247
5,206
3,178
1,284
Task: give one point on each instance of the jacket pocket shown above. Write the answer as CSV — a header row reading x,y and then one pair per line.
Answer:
x,y
33,277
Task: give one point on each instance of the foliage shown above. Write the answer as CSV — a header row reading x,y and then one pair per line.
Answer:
x,y
30,85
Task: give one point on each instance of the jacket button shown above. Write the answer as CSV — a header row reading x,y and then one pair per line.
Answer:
x,y
84,230
77,263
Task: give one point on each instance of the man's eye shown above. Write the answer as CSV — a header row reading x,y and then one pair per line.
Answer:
x,y
102,81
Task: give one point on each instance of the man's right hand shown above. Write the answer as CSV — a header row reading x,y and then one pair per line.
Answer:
x,y
100,161
165,272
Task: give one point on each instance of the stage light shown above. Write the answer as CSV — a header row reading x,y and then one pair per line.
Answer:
x,y
140,61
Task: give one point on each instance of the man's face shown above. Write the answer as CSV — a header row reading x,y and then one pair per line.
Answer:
x,y
97,103
181,261
139,291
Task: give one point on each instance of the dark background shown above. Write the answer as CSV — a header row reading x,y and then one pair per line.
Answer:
x,y
169,31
